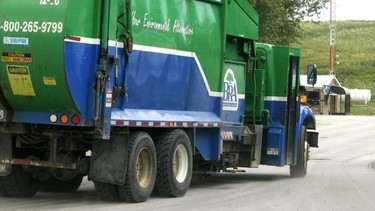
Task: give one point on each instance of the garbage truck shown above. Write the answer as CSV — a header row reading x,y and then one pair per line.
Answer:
x,y
140,95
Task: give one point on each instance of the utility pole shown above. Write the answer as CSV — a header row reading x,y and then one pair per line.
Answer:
x,y
332,38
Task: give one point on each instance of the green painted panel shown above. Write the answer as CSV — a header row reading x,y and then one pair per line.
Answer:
x,y
32,68
193,26
34,30
242,20
83,18
276,67
208,40
249,10
255,93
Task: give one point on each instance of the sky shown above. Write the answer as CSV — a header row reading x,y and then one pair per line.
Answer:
x,y
351,10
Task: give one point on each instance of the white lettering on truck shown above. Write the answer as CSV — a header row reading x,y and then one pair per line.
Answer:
x,y
179,26
32,26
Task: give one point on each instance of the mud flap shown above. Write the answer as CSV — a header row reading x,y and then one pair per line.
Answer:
x,y
5,153
109,160
312,138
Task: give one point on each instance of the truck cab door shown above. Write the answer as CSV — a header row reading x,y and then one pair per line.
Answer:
x,y
292,106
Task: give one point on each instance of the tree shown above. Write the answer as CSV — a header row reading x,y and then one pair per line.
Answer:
x,y
279,20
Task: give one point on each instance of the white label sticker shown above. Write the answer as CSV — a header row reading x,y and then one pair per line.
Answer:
x,y
272,151
16,41
108,99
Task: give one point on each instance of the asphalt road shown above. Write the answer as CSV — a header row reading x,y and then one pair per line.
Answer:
x,y
341,176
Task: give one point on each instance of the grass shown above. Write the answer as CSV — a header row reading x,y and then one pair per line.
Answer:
x,y
362,109
356,50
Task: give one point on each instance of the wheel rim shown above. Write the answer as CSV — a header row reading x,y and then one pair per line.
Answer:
x,y
144,168
180,163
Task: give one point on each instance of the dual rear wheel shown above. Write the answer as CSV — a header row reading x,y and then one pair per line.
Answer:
x,y
21,184
140,174
168,166
174,164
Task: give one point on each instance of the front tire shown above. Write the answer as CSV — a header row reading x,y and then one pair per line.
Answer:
x,y
141,171
174,163
300,169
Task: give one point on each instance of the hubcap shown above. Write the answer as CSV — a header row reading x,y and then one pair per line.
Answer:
x,y
144,168
180,163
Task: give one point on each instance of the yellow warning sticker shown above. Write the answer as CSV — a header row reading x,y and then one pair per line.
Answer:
x,y
20,80
49,81
16,57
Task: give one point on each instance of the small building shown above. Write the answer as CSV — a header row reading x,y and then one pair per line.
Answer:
x,y
327,96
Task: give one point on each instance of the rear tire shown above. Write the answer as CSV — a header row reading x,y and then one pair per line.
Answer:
x,y
141,171
174,164
300,169
107,192
20,184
